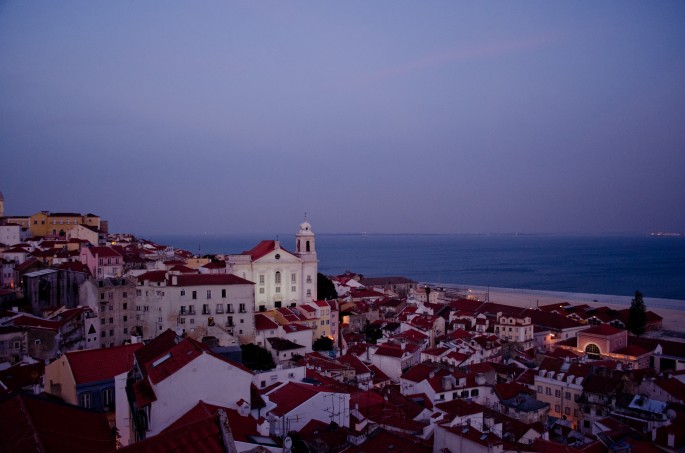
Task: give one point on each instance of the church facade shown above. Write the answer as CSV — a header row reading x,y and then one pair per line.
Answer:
x,y
282,278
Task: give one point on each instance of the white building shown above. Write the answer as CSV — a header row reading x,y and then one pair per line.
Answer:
x,y
516,329
198,305
170,377
282,278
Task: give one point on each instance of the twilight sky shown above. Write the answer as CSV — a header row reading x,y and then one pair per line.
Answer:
x,y
384,116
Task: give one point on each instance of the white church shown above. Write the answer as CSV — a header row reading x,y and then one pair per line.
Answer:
x,y
282,278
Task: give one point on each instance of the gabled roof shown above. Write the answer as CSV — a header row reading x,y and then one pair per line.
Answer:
x,y
94,365
263,322
241,427
263,248
292,395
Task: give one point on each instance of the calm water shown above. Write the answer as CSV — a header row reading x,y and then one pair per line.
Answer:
x,y
578,264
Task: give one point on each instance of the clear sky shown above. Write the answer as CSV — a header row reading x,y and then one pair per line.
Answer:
x,y
383,116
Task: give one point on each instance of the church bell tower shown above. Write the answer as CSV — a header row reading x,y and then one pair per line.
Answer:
x,y
305,249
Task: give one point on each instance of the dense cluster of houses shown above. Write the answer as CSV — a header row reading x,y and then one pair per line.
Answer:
x,y
108,341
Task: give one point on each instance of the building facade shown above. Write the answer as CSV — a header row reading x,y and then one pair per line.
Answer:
x,y
282,278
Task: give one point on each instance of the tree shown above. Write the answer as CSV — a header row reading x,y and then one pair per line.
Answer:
x,y
637,317
325,288
323,344
257,358
372,333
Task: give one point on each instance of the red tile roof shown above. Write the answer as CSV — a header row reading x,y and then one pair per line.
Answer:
x,y
262,249
152,276
241,427
103,252
602,329
179,356
263,322
93,365
291,395
210,279
29,423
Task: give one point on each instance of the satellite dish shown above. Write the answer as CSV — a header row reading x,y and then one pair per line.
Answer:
x,y
288,442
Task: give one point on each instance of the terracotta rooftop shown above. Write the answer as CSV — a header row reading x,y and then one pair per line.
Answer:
x,y
290,396
30,423
209,279
93,365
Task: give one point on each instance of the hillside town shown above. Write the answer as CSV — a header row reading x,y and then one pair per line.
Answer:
x,y
109,341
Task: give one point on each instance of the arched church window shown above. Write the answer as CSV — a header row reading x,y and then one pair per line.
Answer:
x,y
278,278
592,350
308,246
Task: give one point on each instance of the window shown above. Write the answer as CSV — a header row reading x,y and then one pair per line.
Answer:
x,y
111,332
125,330
36,341
557,408
108,398
277,279
557,393
209,294
181,320
183,292
539,389
568,395
85,400
194,294
592,350
474,392
261,290
277,304
261,279
102,296
293,288
138,292
223,293
192,320
111,320
548,391
309,278
567,410
229,321
309,293
293,278
205,309
159,319
124,305
183,309
102,321
242,308
278,289
323,323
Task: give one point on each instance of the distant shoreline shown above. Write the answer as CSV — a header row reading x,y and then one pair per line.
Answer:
x,y
671,310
